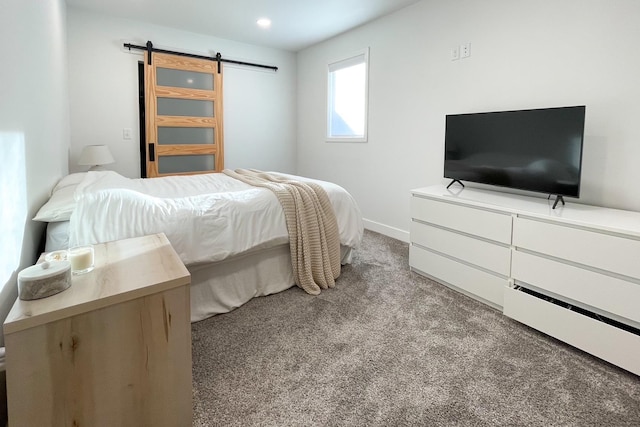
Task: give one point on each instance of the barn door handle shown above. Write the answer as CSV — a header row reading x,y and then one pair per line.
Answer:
x,y
152,152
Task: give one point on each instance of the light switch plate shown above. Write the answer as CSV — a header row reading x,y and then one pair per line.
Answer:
x,y
455,54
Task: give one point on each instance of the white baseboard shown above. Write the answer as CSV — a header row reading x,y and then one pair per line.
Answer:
x,y
393,232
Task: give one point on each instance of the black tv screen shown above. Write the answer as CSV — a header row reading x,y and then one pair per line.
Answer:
x,y
536,150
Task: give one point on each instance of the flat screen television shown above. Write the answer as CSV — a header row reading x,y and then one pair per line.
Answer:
x,y
536,150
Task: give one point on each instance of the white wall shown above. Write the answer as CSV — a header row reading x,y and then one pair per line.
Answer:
x,y
34,133
259,106
524,54
34,128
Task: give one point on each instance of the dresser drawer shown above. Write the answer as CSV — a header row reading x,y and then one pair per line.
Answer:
x,y
608,294
604,251
486,286
487,224
478,252
600,339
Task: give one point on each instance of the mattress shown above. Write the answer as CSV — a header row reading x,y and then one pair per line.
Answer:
x,y
207,218
57,236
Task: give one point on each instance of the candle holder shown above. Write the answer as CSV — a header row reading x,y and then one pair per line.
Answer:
x,y
81,259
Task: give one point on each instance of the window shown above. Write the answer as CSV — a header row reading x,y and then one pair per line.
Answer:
x,y
347,103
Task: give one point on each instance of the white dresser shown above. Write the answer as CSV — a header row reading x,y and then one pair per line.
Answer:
x,y
572,272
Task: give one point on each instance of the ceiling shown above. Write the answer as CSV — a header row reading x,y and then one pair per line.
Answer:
x,y
296,24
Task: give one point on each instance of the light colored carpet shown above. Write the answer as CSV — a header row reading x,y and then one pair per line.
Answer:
x,y
387,347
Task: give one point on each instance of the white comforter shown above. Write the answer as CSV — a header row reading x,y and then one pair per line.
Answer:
x,y
206,217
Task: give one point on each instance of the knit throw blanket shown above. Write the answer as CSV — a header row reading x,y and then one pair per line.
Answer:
x,y
311,222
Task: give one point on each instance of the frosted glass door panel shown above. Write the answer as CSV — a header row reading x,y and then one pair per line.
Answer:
x,y
185,79
184,107
189,163
178,136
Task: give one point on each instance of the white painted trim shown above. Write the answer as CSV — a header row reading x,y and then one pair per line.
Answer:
x,y
389,231
364,138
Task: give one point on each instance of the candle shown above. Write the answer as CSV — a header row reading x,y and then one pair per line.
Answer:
x,y
81,259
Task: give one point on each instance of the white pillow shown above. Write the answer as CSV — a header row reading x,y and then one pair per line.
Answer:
x,y
70,180
61,204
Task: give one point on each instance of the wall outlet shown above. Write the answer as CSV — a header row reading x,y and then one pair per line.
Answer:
x,y
465,50
126,133
455,54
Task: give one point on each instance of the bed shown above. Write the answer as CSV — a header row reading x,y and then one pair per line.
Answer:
x,y
231,236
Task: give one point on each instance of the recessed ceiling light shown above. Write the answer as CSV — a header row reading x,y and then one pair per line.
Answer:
x,y
264,22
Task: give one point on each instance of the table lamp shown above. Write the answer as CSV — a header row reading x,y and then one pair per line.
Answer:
x,y
95,156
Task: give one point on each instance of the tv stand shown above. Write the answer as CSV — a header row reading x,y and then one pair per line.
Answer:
x,y
558,199
459,182
573,276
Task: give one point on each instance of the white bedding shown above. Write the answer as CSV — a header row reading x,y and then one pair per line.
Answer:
x,y
207,218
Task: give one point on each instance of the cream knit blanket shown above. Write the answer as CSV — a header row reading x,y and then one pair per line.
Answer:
x,y
311,222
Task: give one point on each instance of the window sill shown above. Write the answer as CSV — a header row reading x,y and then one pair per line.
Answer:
x,y
346,139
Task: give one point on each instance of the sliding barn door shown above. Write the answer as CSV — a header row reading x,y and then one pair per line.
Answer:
x,y
183,115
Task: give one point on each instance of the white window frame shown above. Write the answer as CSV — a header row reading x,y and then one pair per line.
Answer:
x,y
344,62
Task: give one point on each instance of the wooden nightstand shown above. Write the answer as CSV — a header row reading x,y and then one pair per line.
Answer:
x,y
112,350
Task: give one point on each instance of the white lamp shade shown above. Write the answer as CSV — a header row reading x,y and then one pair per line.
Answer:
x,y
95,155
